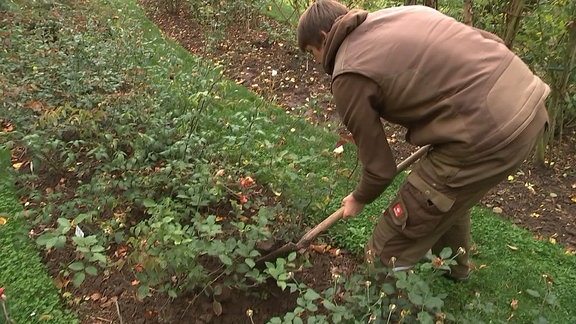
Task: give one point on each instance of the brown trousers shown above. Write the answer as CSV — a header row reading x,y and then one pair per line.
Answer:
x,y
432,208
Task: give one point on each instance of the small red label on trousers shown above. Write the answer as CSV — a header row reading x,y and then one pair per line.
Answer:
x,y
398,210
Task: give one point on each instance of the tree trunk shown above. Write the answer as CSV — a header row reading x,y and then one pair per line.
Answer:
x,y
468,16
512,21
428,3
560,87
431,4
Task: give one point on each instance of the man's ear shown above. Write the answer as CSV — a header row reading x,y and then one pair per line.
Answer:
x,y
323,36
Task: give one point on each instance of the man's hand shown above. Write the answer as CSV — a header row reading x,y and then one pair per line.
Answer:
x,y
351,206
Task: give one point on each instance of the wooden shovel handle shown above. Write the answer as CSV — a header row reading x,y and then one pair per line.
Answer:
x,y
412,158
337,215
326,223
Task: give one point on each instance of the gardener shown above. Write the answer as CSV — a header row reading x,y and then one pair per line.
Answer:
x,y
450,85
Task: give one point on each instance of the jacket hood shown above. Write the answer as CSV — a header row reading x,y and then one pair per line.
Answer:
x,y
342,27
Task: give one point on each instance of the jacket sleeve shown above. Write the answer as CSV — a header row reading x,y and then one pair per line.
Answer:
x,y
358,101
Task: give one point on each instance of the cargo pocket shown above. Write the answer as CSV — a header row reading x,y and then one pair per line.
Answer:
x,y
423,207
397,213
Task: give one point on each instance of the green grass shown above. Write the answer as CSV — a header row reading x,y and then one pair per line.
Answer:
x,y
512,265
317,180
31,296
312,181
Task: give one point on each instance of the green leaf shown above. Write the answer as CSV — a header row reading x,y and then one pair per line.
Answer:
x,y
77,266
329,305
86,241
60,242
269,265
541,320
425,318
533,293
433,303
312,307
416,299
225,259
81,217
281,284
551,299
400,275
98,257
250,263
242,268
217,308
143,291
78,278
388,288
51,240
446,253
311,295
91,270
46,238
64,225
97,248
149,203
336,317
401,284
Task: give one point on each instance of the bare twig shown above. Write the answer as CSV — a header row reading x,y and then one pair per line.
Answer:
x,y
118,311
209,284
102,319
8,319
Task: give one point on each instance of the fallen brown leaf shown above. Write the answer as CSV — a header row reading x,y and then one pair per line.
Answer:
x,y
511,247
514,304
95,296
35,105
321,248
334,251
7,128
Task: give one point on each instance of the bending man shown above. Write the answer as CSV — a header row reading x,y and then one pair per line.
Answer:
x,y
450,85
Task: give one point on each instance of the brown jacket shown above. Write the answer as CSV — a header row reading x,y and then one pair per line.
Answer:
x,y
450,85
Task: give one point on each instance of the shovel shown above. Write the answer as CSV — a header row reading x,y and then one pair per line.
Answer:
x,y
330,220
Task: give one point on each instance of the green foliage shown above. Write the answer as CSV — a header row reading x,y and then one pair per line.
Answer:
x,y
506,276
174,244
375,295
30,293
130,146
221,14
545,40
133,149
547,44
